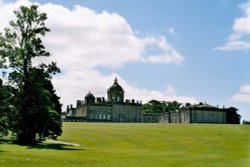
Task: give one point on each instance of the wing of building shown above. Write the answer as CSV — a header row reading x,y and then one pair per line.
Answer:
x,y
197,113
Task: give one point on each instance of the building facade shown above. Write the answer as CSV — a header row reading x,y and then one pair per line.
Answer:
x,y
199,113
114,109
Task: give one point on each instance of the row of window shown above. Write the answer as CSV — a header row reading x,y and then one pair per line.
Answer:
x,y
100,116
211,118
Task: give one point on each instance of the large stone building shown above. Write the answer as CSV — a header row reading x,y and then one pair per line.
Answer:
x,y
114,109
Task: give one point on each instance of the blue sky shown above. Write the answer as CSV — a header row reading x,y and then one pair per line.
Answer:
x,y
195,50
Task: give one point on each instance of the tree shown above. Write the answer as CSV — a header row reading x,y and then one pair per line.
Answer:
x,y
54,123
152,106
232,116
5,107
172,106
3,115
19,45
157,107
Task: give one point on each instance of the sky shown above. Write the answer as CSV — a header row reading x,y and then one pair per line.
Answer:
x,y
190,51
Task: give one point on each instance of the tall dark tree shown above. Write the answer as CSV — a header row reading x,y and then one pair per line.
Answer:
x,y
19,44
5,107
3,115
232,116
54,122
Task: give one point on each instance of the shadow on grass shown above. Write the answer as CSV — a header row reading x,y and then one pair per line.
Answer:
x,y
53,146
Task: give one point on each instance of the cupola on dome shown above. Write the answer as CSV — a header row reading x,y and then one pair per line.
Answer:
x,y
115,92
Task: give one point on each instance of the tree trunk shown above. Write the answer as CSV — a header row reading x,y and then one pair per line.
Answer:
x,y
26,137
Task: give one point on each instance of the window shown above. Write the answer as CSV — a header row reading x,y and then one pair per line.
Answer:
x,y
91,116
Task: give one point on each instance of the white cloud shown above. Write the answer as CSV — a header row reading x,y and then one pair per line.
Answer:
x,y
86,38
75,85
166,53
82,39
168,94
234,45
80,83
241,29
243,95
172,31
245,89
170,90
6,11
243,98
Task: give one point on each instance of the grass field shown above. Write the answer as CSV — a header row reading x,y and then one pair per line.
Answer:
x,y
137,145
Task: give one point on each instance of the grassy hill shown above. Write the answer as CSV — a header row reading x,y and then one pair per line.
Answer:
x,y
137,145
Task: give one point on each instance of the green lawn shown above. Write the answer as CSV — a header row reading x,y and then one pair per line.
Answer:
x,y
137,145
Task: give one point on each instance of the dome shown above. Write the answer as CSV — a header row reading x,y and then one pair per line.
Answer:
x,y
115,86
115,92
89,95
89,98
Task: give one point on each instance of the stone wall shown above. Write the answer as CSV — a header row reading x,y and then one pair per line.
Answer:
x,y
126,113
111,112
101,113
81,111
206,116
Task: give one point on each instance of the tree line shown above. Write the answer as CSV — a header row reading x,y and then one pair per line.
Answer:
x,y
29,107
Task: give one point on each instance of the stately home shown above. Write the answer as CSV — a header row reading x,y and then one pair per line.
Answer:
x,y
116,109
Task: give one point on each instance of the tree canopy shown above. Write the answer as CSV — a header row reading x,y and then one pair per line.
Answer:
x,y
36,113
156,107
